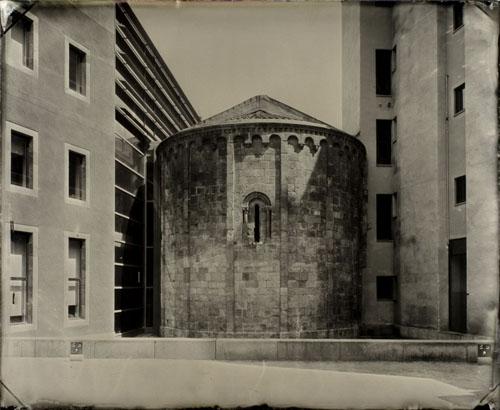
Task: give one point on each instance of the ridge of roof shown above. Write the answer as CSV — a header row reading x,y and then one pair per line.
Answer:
x,y
261,107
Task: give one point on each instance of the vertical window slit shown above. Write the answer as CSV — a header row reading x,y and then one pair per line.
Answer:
x,y
256,231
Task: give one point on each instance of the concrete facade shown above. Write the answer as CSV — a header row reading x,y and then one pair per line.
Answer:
x,y
299,276
432,145
37,104
71,89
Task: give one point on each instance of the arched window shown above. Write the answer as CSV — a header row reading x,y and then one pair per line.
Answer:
x,y
256,218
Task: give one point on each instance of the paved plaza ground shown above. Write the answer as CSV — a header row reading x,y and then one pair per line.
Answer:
x,y
155,383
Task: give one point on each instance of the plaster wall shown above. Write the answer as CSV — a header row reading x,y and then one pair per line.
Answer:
x,y
481,138
351,67
418,137
455,71
373,107
38,101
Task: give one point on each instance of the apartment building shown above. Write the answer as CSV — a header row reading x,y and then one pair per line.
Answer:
x,y
86,96
420,83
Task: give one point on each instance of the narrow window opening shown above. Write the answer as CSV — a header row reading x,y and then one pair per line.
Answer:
x,y
21,267
76,278
383,71
270,223
460,190
384,142
77,165
77,70
257,210
256,231
22,32
384,217
386,288
394,59
459,98
21,165
458,15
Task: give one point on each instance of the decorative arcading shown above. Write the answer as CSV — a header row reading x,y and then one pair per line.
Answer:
x,y
202,139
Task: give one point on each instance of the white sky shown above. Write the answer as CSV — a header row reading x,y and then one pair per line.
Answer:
x,y
222,54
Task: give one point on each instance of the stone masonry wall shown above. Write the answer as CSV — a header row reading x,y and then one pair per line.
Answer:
x,y
194,238
256,266
303,278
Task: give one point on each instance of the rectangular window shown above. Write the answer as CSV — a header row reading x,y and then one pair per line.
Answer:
x,y
383,71
384,142
460,190
458,15
459,98
21,277
22,32
384,217
77,70
77,164
21,160
394,59
76,279
386,288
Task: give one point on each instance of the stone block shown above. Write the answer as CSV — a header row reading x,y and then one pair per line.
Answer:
x,y
124,349
438,351
318,350
472,354
353,350
88,349
52,348
18,347
194,349
246,349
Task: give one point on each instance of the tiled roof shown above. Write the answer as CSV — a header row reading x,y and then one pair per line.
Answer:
x,y
261,107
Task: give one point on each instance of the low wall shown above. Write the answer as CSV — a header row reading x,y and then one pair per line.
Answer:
x,y
248,349
410,332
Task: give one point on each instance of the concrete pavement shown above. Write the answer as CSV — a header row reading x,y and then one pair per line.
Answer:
x,y
154,383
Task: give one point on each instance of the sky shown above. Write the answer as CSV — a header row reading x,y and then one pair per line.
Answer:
x,y
223,54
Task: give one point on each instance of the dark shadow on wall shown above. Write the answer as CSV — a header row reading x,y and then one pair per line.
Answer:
x,y
131,276
318,237
327,239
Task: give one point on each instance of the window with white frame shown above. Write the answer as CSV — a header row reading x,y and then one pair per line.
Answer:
x,y
21,159
23,34
21,277
77,175
21,46
21,150
77,70
76,272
